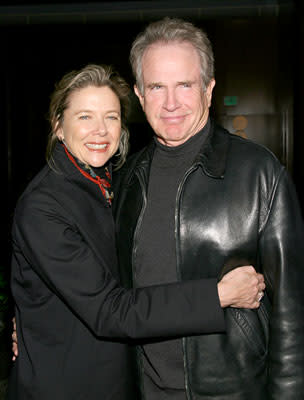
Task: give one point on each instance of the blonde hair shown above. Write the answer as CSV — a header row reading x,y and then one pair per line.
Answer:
x,y
90,75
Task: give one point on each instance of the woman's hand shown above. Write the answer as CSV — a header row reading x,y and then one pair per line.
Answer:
x,y
242,287
15,341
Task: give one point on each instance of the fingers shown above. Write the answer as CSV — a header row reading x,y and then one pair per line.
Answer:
x,y
260,277
242,288
261,286
261,281
15,341
259,290
260,296
15,351
14,337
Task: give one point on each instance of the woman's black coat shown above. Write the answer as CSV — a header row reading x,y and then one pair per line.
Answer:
x,y
70,309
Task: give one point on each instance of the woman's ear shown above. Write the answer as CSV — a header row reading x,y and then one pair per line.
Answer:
x,y
59,132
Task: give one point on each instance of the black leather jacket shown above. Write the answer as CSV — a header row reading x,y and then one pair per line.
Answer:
x,y
235,206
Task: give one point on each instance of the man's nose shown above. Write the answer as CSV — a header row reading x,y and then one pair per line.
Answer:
x,y
171,101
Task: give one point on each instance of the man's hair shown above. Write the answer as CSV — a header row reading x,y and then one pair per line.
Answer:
x,y
170,30
90,75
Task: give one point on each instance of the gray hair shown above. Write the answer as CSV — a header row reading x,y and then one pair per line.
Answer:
x,y
90,75
172,30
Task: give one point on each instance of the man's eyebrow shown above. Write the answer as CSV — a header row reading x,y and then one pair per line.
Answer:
x,y
187,81
151,84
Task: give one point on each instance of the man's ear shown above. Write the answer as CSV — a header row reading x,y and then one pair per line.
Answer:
x,y
209,90
140,96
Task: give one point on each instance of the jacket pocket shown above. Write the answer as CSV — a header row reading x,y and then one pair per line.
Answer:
x,y
254,326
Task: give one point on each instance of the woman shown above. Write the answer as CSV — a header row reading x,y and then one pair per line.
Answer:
x,y
70,310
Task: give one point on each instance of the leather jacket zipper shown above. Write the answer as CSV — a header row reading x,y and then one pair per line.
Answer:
x,y
178,272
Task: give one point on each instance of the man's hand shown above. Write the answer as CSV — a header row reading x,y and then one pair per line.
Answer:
x,y
242,288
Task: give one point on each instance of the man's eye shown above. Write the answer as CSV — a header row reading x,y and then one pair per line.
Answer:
x,y
113,117
156,87
186,84
84,117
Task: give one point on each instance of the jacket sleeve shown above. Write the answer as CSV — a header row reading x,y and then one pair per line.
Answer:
x,y
281,252
57,252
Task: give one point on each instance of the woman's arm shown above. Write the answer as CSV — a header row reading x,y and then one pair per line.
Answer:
x,y
57,251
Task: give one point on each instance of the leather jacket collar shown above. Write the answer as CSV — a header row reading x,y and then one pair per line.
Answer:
x,y
212,157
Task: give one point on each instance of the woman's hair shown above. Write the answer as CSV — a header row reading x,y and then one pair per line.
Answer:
x,y
170,30
90,75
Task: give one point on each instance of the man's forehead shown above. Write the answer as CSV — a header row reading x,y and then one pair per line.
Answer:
x,y
172,54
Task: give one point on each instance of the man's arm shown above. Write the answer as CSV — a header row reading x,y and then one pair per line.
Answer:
x,y
282,261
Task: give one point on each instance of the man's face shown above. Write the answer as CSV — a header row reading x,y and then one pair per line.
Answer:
x,y
174,101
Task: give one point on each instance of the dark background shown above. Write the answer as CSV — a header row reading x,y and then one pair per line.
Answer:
x,y
258,46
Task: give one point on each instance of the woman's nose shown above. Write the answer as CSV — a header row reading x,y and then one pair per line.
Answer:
x,y
100,127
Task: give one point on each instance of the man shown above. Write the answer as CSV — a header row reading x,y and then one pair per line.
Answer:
x,y
184,199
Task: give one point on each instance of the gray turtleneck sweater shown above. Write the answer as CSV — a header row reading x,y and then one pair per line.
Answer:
x,y
156,260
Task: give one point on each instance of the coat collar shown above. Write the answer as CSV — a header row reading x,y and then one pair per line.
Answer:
x,y
84,203
213,155
61,164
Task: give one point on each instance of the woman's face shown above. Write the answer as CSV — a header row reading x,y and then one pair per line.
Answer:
x,y
91,125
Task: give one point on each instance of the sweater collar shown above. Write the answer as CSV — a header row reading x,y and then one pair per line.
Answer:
x,y
212,156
